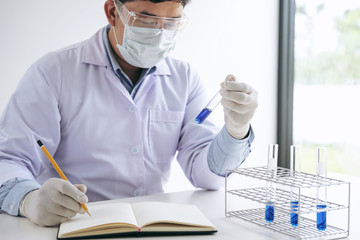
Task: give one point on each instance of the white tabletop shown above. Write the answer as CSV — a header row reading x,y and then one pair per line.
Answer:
x,y
211,203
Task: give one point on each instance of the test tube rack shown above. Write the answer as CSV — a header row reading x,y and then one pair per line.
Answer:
x,y
306,228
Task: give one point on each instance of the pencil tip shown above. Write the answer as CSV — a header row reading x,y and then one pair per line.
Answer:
x,y
88,213
39,143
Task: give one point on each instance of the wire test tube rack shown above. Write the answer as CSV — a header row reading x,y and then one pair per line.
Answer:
x,y
288,183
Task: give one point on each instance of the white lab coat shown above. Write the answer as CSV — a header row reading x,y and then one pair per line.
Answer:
x,y
74,103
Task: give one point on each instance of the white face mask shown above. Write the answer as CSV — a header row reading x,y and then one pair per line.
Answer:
x,y
145,47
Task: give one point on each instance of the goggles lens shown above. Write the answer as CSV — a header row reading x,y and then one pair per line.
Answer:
x,y
146,21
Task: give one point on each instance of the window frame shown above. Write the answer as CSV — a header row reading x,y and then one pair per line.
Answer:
x,y
285,88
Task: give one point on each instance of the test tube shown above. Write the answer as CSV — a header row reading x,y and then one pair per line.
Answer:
x,y
321,192
208,108
270,185
295,163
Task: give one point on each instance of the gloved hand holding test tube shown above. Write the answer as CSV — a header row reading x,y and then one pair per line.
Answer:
x,y
208,108
239,101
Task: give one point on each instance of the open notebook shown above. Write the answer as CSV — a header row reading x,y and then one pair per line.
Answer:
x,y
143,218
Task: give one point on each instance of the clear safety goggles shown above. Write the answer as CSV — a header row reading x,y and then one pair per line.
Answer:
x,y
136,19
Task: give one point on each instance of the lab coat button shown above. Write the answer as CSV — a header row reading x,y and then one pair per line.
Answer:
x,y
11,207
132,109
134,150
138,192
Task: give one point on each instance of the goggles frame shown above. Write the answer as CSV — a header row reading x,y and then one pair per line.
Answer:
x,y
141,20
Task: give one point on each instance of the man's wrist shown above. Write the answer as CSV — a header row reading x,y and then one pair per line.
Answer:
x,y
17,189
227,152
21,207
240,133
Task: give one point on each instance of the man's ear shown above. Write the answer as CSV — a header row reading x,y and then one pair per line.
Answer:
x,y
110,12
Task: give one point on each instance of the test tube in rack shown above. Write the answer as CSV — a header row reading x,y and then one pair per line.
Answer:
x,y
270,185
295,163
321,191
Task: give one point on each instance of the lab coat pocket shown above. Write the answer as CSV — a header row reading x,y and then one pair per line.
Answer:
x,y
164,133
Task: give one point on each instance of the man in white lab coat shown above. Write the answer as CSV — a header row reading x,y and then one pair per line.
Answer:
x,y
113,111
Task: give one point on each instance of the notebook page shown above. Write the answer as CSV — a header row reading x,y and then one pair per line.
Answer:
x,y
100,214
149,212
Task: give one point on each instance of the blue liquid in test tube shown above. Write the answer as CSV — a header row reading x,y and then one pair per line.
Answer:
x,y
269,213
321,218
208,108
294,217
202,115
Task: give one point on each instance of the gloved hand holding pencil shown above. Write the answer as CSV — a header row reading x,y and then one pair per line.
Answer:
x,y
55,202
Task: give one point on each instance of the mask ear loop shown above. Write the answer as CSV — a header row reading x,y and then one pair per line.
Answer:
x,y
114,26
115,36
119,13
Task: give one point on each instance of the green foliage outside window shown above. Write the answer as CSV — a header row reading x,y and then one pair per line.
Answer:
x,y
339,66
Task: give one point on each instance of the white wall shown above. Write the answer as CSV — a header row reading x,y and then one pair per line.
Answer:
x,y
222,37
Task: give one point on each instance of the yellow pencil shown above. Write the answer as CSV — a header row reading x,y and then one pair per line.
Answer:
x,y
57,168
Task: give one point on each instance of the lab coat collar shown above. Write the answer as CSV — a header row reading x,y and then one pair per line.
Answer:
x,y
162,68
95,53
94,50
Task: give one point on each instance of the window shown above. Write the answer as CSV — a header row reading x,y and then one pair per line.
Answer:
x,y
327,83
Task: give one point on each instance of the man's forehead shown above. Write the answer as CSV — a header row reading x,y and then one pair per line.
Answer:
x,y
170,9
